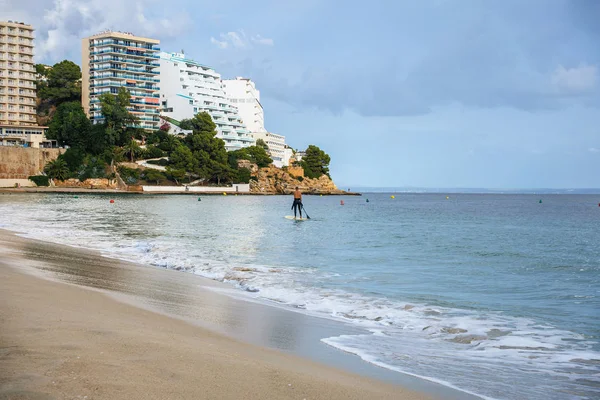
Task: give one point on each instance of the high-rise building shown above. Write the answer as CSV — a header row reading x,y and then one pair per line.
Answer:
x,y
188,87
18,123
111,60
243,94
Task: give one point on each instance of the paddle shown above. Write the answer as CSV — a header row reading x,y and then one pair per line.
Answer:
x,y
307,217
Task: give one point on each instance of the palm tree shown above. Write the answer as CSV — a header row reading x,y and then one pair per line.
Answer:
x,y
57,169
132,149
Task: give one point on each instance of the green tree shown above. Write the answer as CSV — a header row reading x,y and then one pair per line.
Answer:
x,y
62,83
182,159
243,175
315,163
186,124
74,158
259,156
117,117
176,174
254,154
209,152
154,175
132,149
261,143
57,169
70,126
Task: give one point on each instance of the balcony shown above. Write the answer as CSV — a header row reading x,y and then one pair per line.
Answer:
x,y
136,70
125,61
27,94
27,43
127,52
123,76
122,43
126,85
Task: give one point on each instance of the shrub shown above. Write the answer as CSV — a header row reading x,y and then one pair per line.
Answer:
x,y
163,161
93,167
153,152
40,180
300,178
243,175
130,175
154,175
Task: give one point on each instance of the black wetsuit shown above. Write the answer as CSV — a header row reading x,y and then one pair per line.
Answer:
x,y
297,205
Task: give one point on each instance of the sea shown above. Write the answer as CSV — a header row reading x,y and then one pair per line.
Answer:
x,y
496,295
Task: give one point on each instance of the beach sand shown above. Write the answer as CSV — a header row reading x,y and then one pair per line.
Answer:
x,y
63,341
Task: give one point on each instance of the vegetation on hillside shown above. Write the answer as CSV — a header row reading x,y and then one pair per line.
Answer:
x,y
60,83
95,149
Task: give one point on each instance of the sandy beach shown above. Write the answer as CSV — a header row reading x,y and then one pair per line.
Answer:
x,y
63,341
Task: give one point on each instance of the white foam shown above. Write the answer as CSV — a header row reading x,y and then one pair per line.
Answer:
x,y
423,334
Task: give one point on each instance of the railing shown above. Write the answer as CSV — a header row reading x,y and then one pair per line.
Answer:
x,y
122,43
128,52
139,71
125,60
125,77
127,85
138,94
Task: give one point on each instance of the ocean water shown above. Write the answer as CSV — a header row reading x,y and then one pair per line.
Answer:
x,y
495,295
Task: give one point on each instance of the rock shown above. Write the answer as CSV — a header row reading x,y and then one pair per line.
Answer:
x,y
272,180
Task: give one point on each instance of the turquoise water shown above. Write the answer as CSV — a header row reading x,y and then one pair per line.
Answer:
x,y
497,295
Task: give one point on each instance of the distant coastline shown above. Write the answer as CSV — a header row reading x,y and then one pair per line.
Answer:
x,y
364,189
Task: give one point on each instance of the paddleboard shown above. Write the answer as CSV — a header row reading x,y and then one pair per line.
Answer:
x,y
297,219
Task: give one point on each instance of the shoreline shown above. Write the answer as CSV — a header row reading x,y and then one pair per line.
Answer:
x,y
118,191
26,256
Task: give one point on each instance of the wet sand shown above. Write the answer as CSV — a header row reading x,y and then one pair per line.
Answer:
x,y
79,341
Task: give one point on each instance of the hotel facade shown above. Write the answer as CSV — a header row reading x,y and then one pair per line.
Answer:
x,y
243,94
188,87
18,123
112,60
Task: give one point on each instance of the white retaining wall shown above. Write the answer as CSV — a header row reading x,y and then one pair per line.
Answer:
x,y
237,188
6,183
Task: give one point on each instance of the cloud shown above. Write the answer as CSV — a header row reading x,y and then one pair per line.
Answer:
x,y
416,58
61,24
239,40
575,80
222,44
261,40
593,150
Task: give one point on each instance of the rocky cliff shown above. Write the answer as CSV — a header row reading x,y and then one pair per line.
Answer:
x,y
272,180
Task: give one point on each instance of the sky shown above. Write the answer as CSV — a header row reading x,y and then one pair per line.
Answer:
x,y
434,93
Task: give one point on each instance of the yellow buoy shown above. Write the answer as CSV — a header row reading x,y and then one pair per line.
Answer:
x,y
224,194
392,196
447,197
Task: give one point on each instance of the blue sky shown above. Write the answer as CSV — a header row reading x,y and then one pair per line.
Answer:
x,y
434,93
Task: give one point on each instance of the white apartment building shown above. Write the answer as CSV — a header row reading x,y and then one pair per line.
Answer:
x,y
277,147
188,87
242,92
111,60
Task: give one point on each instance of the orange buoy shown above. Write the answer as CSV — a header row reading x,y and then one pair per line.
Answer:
x,y
111,201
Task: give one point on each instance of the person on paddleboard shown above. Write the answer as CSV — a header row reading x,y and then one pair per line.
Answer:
x,y
297,202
